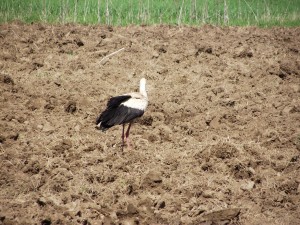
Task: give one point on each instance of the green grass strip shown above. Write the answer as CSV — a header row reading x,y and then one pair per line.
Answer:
x,y
263,13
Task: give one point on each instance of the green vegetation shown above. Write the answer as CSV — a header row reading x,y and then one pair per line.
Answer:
x,y
124,12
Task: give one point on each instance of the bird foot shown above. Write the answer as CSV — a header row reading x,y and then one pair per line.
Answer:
x,y
126,145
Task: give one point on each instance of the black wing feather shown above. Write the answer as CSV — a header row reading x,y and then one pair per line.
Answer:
x,y
116,114
116,101
112,103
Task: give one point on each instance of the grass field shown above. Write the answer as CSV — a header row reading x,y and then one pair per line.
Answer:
x,y
119,12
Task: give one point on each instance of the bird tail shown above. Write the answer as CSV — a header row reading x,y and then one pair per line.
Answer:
x,y
99,124
100,127
102,122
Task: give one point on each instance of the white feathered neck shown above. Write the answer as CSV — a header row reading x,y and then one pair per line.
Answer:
x,y
143,87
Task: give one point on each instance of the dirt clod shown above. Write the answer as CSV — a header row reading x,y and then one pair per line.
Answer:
x,y
70,107
152,178
46,222
160,204
225,214
6,79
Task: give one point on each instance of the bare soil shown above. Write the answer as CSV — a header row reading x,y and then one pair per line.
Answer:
x,y
218,144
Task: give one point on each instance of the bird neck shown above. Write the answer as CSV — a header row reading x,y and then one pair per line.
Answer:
x,y
143,88
143,91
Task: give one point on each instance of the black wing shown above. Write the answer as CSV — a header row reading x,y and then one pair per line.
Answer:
x,y
118,115
124,114
112,104
116,101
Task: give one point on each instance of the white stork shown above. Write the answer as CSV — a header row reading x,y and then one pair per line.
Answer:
x,y
124,109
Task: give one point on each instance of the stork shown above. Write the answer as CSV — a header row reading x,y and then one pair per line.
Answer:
x,y
124,109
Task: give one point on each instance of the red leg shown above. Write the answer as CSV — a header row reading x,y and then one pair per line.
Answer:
x,y
127,135
123,136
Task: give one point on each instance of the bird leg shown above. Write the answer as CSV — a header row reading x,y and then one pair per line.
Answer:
x,y
127,135
123,136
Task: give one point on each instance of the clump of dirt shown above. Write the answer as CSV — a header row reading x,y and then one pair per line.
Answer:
x,y
218,144
70,107
225,151
6,79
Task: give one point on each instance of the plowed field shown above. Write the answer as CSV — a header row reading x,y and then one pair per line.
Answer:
x,y
218,144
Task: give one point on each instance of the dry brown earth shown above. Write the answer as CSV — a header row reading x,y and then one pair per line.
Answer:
x,y
219,143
